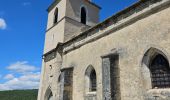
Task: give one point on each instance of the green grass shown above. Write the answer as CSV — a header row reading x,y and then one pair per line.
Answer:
x,y
19,95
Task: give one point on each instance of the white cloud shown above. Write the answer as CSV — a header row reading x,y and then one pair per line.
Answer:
x,y
3,24
32,77
21,67
9,76
28,81
4,87
28,77
26,3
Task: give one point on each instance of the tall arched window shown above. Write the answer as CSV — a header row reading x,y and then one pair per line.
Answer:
x,y
56,16
160,72
90,78
93,80
83,15
49,94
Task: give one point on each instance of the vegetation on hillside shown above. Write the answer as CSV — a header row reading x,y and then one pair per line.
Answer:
x,y
19,95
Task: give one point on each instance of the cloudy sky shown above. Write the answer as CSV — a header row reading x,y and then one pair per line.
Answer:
x,y
22,29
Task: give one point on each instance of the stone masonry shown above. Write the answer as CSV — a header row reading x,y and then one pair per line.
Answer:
x,y
119,51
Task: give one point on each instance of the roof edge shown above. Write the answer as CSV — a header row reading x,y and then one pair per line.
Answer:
x,y
114,16
52,5
57,1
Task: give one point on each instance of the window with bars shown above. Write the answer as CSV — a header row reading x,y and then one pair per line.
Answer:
x,y
160,72
68,77
68,83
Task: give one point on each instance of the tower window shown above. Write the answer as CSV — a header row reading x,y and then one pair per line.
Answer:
x,y
56,16
83,15
160,72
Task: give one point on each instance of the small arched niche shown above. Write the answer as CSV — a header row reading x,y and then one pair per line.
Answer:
x,y
90,80
83,15
49,94
155,70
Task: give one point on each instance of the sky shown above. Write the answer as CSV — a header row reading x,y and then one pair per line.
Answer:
x,y
22,31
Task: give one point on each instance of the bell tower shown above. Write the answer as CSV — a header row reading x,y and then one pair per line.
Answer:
x,y
67,19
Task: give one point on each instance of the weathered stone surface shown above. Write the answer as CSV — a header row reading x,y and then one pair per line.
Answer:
x,y
106,78
130,34
158,94
90,96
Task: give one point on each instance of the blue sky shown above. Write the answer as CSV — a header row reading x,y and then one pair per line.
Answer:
x,y
22,31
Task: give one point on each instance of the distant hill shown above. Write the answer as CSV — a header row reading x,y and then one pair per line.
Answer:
x,y
19,95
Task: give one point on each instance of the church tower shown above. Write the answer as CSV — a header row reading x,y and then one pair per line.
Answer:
x,y
66,19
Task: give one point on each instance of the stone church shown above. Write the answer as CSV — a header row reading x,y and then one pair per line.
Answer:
x,y
125,57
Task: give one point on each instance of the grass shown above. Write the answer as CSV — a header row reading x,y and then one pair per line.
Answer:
x,y
19,95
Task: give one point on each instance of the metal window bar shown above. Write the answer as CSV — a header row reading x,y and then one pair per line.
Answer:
x,y
160,72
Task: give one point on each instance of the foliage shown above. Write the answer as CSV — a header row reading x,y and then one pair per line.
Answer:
x,y
19,95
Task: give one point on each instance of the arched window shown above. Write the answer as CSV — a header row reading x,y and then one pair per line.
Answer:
x,y
49,94
56,16
83,15
90,78
93,80
160,72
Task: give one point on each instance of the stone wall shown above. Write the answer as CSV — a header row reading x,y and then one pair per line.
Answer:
x,y
131,43
130,37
